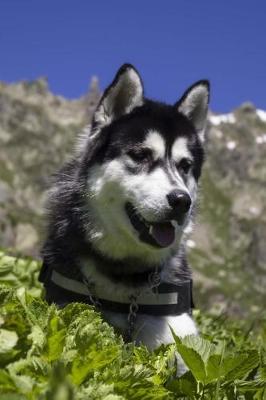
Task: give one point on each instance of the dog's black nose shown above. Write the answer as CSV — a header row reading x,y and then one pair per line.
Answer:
x,y
179,201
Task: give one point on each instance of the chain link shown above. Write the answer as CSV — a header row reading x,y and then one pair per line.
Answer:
x,y
92,296
154,280
132,315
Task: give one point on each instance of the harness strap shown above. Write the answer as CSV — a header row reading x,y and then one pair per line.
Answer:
x,y
169,298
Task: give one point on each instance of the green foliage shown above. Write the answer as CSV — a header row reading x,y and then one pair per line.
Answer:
x,y
47,353
16,272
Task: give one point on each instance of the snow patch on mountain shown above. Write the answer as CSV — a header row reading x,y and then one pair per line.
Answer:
x,y
231,145
261,139
222,119
261,114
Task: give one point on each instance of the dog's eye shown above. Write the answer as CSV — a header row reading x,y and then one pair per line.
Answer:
x,y
184,165
140,155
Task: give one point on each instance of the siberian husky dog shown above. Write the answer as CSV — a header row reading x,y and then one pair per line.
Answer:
x,y
121,209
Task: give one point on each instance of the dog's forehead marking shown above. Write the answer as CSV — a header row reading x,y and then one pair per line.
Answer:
x,y
180,149
156,143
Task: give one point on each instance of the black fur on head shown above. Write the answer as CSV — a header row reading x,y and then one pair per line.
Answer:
x,y
123,105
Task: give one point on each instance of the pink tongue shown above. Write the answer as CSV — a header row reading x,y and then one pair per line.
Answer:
x,y
164,234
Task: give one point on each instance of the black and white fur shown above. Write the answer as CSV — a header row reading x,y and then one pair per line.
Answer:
x,y
136,152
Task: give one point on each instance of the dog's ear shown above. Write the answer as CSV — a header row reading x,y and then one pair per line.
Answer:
x,y
194,105
121,97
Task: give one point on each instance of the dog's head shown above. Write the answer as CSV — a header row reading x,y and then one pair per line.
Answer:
x,y
142,163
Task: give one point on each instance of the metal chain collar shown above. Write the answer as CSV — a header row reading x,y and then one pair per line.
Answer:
x,y
92,296
131,317
154,280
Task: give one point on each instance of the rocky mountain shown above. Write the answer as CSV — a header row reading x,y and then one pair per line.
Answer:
x,y
227,249
37,133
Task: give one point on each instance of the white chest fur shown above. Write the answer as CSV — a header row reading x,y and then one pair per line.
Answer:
x,y
149,330
153,330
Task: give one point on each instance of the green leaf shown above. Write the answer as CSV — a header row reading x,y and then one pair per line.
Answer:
x,y
6,383
8,340
56,336
185,385
214,368
244,386
38,338
244,365
91,362
193,361
202,346
189,349
23,383
12,396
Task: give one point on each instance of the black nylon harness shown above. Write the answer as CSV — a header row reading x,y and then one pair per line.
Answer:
x,y
164,300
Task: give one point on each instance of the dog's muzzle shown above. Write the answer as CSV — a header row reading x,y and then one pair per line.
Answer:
x,y
158,234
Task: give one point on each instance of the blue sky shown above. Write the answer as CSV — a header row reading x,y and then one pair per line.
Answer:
x,y
172,44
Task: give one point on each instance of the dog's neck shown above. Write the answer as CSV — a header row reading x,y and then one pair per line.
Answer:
x,y
132,274
121,279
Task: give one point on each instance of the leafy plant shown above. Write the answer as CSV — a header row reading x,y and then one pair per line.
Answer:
x,y
71,353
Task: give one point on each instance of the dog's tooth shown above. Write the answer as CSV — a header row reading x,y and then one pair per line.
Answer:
x,y
173,222
150,230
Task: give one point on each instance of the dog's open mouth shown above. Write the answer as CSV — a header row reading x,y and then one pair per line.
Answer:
x,y
158,234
